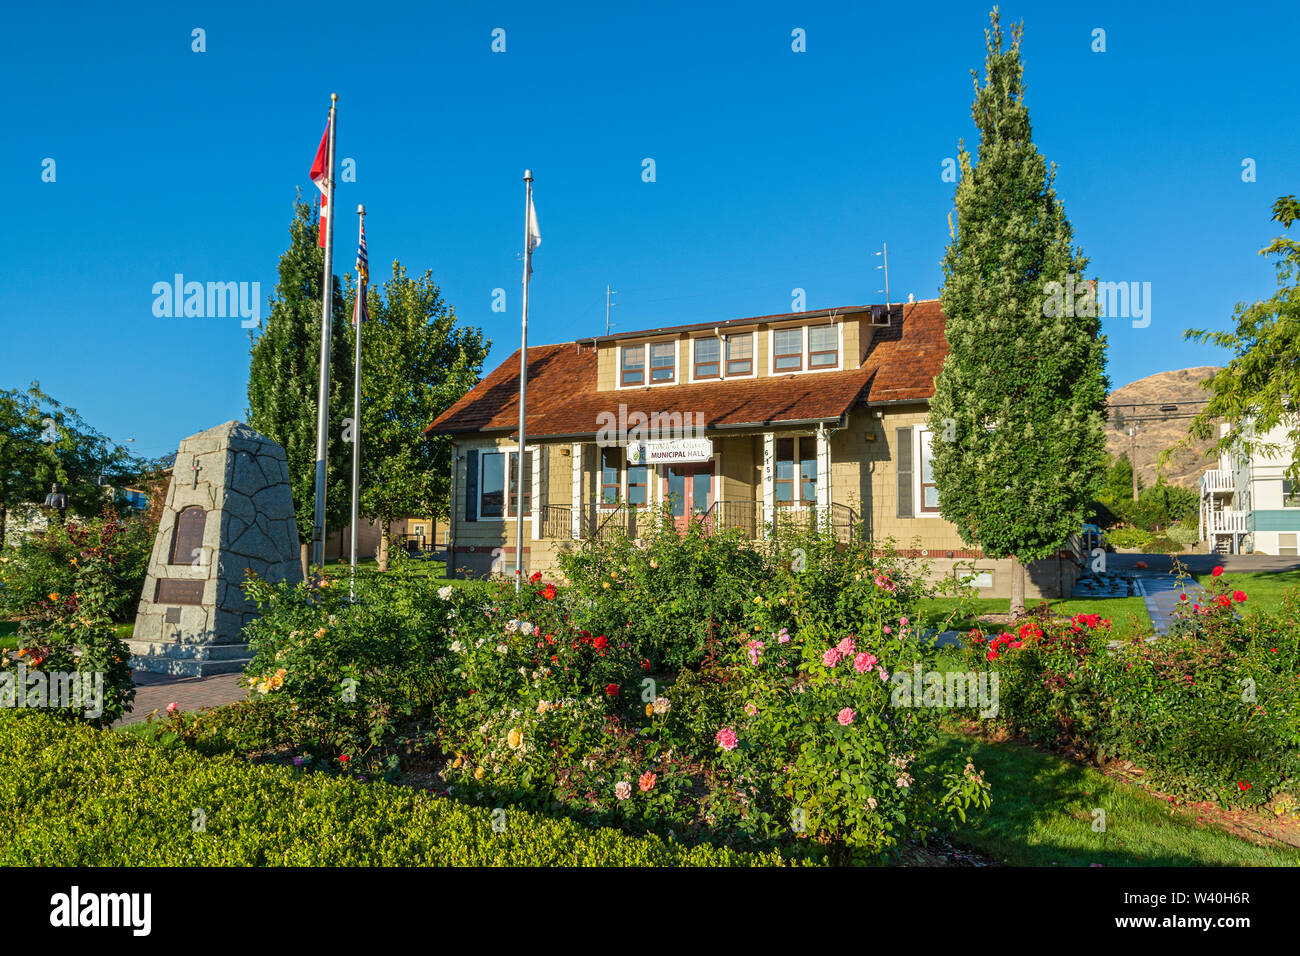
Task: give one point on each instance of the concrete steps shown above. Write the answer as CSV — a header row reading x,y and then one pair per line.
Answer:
x,y
188,659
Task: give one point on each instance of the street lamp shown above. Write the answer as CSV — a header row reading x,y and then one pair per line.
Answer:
x,y
57,500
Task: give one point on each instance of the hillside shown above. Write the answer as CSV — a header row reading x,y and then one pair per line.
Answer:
x,y
1179,385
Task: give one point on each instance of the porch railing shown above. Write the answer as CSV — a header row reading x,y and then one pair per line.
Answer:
x,y
1215,481
557,521
1226,522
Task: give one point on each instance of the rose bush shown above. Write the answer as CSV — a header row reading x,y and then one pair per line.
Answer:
x,y
1210,710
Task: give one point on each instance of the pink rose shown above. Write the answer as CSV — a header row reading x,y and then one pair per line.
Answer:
x,y
902,621
750,710
622,790
887,629
884,674
864,662
727,739
845,646
783,636
845,716
171,707
831,657
755,651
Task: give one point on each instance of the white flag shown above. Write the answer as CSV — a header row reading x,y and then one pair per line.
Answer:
x,y
534,233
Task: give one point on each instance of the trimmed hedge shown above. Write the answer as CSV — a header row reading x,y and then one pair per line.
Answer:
x,y
75,796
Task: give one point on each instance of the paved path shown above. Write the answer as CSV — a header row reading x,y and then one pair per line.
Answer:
x,y
188,693
1201,563
1161,593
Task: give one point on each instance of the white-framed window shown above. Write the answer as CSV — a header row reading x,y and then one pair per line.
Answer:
x,y
739,348
619,483
1290,494
631,366
823,347
795,481
706,358
496,498
808,348
663,362
927,492
787,350
1287,543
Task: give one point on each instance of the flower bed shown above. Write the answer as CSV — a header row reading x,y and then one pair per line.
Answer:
x,y
774,725
1211,710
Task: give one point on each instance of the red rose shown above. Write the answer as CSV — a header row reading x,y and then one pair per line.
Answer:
x,y
549,592
1218,569
537,576
1182,597
611,690
1223,600
344,759
1239,597
601,642
645,665
1243,786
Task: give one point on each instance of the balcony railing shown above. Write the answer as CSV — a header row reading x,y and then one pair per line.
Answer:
x,y
1226,522
1215,481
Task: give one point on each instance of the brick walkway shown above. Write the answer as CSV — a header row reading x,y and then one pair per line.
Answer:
x,y
188,693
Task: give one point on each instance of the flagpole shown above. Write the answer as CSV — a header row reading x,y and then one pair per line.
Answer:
x,y
356,407
523,381
322,402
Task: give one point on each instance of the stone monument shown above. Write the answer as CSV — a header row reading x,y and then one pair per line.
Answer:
x,y
228,510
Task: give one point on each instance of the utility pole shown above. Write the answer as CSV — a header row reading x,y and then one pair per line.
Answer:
x,y
1133,457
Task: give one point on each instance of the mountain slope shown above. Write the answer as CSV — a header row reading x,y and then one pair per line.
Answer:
x,y
1177,386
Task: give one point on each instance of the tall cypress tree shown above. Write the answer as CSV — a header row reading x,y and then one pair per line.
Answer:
x,y
283,377
1018,411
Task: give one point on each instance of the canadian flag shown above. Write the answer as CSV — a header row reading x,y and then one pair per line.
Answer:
x,y
318,168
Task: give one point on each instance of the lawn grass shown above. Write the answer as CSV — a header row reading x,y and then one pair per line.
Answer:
x,y
1263,588
1043,812
1128,615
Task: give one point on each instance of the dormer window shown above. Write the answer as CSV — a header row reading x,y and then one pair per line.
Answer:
x,y
708,358
787,350
823,347
740,354
633,372
663,361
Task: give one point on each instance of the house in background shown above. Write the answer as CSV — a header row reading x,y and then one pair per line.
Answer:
x,y
769,419
1248,505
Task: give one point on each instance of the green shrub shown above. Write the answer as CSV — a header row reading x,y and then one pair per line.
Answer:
x,y
672,596
349,674
53,562
74,796
1184,533
1124,537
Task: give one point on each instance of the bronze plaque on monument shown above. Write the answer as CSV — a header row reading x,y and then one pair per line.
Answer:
x,y
187,541
172,591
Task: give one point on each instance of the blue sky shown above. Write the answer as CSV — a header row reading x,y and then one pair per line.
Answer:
x,y
775,170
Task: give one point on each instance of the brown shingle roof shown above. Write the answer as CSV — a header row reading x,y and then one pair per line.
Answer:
x,y
563,400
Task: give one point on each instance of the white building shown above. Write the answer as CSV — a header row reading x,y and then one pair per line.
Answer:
x,y
1247,504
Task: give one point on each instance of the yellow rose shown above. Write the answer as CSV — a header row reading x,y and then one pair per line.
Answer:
x,y
605,585
54,597
514,739
478,773
458,761
758,600
649,710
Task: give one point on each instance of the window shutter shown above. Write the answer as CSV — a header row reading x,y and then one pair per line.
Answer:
x,y
903,441
471,485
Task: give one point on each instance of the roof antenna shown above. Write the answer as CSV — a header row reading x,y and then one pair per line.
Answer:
x,y
884,252
609,305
